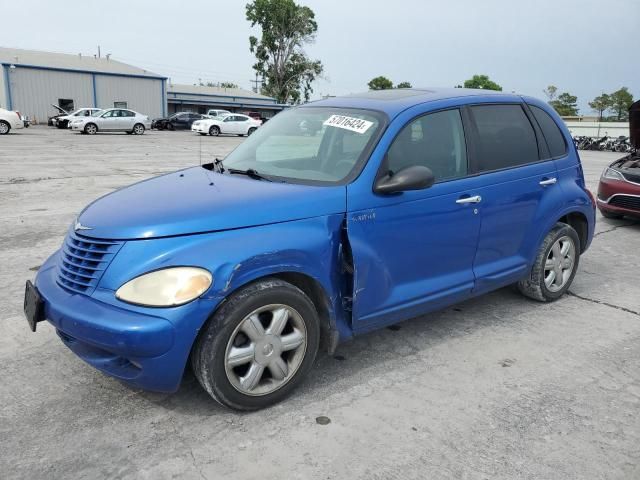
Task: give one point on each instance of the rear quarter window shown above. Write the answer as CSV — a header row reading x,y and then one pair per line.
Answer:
x,y
551,132
505,137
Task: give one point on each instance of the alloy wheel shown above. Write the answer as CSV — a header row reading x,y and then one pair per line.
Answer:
x,y
265,350
559,265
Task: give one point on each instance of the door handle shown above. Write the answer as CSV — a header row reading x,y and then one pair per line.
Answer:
x,y
474,199
548,181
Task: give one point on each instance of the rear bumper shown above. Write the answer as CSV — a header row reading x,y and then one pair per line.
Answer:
x,y
142,349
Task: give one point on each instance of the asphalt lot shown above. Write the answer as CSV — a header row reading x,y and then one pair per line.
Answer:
x,y
499,387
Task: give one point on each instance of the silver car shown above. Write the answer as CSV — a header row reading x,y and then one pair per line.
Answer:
x,y
112,120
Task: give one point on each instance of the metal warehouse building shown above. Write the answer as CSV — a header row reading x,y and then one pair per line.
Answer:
x,y
198,99
30,81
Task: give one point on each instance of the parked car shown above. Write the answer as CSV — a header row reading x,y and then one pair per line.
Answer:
x,y
112,120
61,111
63,120
177,121
407,201
619,188
10,120
233,124
217,113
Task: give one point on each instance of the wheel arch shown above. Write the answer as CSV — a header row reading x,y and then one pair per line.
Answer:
x,y
578,221
310,286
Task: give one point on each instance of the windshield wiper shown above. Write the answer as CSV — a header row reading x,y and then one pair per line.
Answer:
x,y
218,167
249,172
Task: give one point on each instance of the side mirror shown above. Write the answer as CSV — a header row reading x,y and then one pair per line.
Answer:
x,y
415,177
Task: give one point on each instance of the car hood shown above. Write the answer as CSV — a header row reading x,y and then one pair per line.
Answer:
x,y
196,200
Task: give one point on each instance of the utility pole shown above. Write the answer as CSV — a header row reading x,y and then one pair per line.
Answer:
x,y
255,82
98,51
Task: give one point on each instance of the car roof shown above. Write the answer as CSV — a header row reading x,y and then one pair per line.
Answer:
x,y
394,101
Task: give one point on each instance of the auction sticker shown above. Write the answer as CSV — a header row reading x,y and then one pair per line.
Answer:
x,y
348,123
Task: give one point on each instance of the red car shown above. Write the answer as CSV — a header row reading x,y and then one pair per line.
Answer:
x,y
619,189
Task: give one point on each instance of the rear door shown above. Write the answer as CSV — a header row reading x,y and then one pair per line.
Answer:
x,y
516,189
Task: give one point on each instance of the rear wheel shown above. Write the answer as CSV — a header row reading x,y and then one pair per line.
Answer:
x,y
138,129
555,265
214,131
251,130
258,346
4,127
90,129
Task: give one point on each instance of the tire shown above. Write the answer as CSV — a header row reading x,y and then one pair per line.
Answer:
x,y
214,131
610,215
90,129
4,127
262,302
251,130
170,126
551,258
138,129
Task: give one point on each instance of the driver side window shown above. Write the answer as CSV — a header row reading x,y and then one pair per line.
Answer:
x,y
436,141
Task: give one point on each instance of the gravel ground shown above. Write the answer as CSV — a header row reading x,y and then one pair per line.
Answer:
x,y
498,387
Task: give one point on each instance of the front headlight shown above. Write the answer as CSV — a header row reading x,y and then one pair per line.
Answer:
x,y
166,288
612,174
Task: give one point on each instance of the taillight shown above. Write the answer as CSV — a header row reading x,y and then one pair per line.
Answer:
x,y
19,116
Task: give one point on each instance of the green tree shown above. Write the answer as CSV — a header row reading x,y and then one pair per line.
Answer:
x,y
601,104
482,81
621,100
404,85
280,58
228,85
380,83
551,91
566,104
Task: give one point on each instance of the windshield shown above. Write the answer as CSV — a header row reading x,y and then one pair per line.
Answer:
x,y
319,144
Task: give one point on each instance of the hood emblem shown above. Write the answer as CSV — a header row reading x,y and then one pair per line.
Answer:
x,y
79,226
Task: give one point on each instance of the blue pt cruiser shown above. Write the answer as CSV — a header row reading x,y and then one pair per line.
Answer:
x,y
334,219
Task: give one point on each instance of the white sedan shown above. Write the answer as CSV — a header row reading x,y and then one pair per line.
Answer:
x,y
233,124
64,120
112,120
9,120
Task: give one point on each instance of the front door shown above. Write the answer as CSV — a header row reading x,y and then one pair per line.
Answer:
x,y
414,252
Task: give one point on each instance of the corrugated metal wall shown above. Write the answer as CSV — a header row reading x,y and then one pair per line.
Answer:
x,y
141,94
33,90
3,90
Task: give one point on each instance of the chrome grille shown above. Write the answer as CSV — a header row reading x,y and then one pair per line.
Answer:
x,y
83,260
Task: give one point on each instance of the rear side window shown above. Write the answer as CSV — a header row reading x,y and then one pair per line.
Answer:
x,y
551,132
505,137
436,141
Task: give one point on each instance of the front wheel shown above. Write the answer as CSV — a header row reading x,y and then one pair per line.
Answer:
x,y
90,129
214,131
555,265
258,346
138,129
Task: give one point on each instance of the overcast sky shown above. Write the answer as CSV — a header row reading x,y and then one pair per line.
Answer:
x,y
581,46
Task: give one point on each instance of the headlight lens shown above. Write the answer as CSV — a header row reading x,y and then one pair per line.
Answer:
x,y
166,288
612,174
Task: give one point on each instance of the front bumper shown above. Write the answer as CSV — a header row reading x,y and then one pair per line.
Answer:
x,y
76,126
199,128
610,192
146,348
